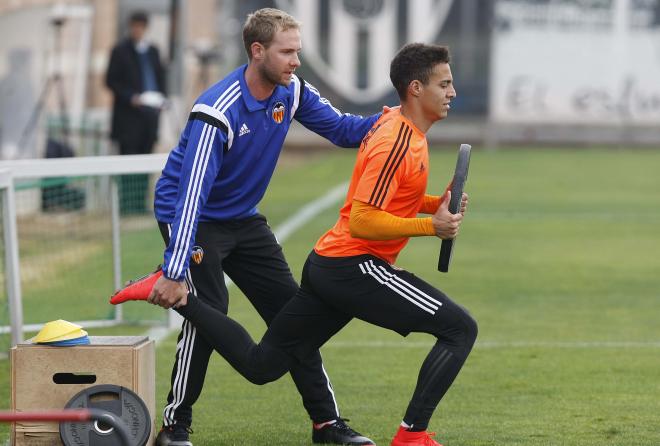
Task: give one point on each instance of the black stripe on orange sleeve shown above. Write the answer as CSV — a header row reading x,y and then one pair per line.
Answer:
x,y
389,168
383,173
389,181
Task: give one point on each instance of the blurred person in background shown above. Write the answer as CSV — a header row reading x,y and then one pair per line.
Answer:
x,y
136,77
206,206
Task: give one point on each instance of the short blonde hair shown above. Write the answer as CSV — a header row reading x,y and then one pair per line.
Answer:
x,y
261,26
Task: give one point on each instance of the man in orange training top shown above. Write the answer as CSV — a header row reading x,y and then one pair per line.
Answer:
x,y
350,273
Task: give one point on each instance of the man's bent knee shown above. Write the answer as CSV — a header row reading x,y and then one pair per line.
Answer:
x,y
471,329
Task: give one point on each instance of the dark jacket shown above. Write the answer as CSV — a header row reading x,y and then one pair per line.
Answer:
x,y
124,78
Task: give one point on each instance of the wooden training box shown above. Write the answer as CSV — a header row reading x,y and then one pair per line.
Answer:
x,y
127,361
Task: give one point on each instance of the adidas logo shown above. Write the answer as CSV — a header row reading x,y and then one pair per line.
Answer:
x,y
244,129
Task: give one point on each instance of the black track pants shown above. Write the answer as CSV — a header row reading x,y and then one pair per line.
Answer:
x,y
333,291
246,250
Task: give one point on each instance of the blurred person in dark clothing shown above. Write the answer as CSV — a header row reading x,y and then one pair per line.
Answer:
x,y
136,77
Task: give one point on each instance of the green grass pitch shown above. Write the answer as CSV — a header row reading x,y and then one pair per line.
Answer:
x,y
558,262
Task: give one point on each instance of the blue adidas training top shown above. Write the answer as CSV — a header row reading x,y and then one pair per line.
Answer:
x,y
228,151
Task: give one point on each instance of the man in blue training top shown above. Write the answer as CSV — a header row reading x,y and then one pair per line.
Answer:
x,y
206,202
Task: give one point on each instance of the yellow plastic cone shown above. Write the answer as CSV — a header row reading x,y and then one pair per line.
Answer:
x,y
57,329
73,335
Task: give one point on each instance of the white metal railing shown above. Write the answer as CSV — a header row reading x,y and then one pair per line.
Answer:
x,y
11,171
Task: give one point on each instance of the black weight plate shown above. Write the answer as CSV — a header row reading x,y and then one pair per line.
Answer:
x,y
122,402
457,186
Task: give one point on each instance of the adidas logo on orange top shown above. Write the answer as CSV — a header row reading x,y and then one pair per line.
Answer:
x,y
244,129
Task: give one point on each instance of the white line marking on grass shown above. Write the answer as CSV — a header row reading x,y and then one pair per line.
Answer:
x,y
282,233
309,211
499,344
159,333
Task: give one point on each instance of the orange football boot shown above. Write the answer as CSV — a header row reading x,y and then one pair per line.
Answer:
x,y
138,289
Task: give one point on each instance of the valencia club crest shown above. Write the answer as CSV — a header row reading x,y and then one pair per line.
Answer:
x,y
197,254
278,112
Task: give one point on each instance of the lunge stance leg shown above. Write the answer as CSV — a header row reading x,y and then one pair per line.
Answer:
x,y
258,363
300,328
372,290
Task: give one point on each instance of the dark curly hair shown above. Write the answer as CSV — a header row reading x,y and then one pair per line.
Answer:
x,y
415,61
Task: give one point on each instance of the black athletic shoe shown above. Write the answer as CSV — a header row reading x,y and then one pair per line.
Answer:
x,y
175,435
339,433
